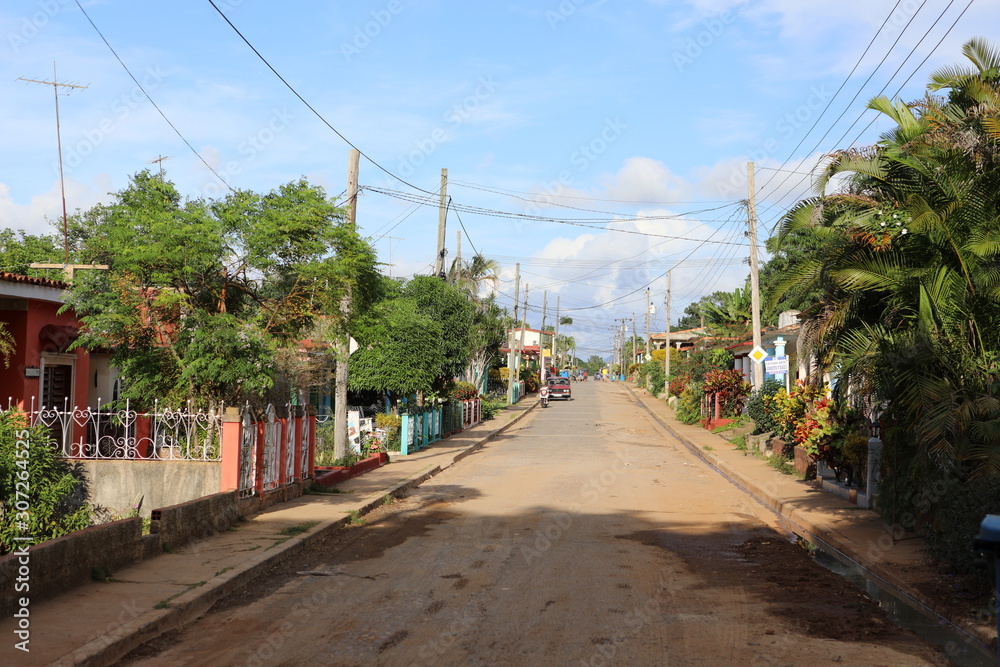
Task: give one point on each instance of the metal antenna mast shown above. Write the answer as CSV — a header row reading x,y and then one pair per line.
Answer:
x,y
159,160
62,184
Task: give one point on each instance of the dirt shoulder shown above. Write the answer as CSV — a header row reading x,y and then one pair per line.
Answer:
x,y
858,532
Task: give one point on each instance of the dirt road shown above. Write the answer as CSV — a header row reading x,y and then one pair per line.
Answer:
x,y
584,536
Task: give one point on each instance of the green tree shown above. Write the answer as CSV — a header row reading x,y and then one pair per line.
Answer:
x,y
19,249
908,252
201,294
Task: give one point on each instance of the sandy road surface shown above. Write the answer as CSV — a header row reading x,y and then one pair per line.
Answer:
x,y
584,536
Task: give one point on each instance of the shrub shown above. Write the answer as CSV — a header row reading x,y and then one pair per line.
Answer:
x,y
689,405
530,379
391,424
491,408
32,470
463,391
762,409
730,388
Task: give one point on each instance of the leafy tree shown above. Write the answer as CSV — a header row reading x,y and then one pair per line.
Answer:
x,y
907,264
200,295
400,353
19,249
595,364
451,308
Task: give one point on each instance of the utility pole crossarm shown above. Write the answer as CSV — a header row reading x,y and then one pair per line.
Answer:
x,y
68,269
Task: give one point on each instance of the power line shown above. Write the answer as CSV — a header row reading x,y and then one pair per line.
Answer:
x,y
898,69
587,223
303,100
155,105
844,83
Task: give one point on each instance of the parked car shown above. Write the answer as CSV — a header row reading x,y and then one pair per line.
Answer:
x,y
559,387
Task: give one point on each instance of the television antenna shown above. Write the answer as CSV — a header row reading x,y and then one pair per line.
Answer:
x,y
62,181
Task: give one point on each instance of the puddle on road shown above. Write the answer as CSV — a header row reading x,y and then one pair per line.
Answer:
x,y
961,648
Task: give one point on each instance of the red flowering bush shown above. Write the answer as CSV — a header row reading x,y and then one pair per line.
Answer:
x,y
730,387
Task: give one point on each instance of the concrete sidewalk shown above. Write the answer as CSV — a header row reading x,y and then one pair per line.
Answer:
x,y
819,516
99,623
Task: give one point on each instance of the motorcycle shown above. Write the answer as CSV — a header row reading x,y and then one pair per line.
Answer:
x,y
543,396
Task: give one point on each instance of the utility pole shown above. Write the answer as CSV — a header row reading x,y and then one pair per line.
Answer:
x,y
62,181
758,368
645,345
458,255
524,316
635,345
391,239
667,346
442,219
510,338
342,339
555,339
541,336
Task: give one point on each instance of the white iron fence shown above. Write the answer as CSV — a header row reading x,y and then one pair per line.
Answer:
x,y
160,434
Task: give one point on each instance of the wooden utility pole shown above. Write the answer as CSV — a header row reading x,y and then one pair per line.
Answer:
x,y
62,181
666,346
524,316
541,336
342,339
645,345
442,220
555,339
635,345
510,338
758,368
458,256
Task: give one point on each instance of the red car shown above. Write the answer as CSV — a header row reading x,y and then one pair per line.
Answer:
x,y
559,387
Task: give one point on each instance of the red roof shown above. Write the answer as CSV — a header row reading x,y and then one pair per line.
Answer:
x,y
29,280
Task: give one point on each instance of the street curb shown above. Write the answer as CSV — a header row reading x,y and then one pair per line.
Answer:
x,y
192,604
815,530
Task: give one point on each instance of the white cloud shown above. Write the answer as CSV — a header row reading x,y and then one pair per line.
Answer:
x,y
37,216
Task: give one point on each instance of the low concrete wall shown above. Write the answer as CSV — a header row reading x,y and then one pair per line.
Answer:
x,y
194,520
52,567
116,484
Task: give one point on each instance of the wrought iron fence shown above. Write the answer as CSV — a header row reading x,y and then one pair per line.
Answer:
x,y
163,433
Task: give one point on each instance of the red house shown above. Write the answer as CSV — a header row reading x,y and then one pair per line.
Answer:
x,y
41,371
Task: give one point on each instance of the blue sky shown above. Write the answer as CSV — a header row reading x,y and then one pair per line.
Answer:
x,y
643,113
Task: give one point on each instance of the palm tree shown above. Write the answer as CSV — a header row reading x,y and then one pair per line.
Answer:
x,y
909,266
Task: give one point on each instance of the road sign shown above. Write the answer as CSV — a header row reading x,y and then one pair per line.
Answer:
x,y
776,365
758,354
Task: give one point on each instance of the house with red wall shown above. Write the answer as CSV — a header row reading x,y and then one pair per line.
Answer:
x,y
42,372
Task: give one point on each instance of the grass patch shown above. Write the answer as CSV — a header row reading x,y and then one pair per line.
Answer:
x,y
317,490
354,517
387,500
163,604
782,465
708,448
292,531
740,443
223,571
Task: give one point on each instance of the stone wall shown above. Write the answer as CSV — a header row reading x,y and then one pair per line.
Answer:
x,y
54,566
116,484
194,520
